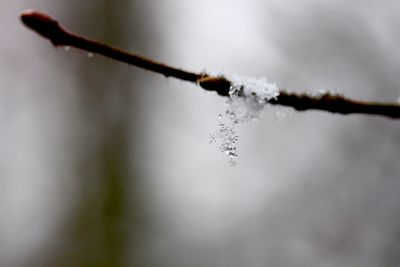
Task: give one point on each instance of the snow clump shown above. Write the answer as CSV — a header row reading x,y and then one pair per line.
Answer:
x,y
247,98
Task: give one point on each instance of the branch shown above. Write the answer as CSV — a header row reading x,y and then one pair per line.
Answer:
x,y
49,28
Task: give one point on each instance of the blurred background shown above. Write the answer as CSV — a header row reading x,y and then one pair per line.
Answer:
x,y
103,164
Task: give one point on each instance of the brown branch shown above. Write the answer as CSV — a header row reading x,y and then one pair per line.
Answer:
x,y
49,28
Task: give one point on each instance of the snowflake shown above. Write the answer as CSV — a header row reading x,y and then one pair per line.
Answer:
x,y
212,138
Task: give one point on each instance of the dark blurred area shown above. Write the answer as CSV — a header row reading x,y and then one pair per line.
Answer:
x,y
104,164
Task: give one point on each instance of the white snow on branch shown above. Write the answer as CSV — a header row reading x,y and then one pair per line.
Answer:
x,y
247,98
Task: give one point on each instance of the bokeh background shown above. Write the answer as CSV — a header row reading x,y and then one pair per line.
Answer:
x,y
103,164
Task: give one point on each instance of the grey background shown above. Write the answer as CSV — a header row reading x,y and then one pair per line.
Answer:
x,y
103,164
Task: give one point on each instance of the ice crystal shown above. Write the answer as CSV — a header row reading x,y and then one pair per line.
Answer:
x,y
247,98
226,138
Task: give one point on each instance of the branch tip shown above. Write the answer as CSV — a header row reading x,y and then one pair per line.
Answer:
x,y
45,25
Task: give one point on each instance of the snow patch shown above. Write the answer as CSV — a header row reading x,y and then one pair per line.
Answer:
x,y
248,96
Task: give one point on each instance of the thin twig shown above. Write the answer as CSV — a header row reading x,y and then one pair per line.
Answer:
x,y
49,28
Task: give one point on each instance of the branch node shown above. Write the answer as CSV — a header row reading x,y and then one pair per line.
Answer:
x,y
218,84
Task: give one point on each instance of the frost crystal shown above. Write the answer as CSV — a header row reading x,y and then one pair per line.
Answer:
x,y
247,98
322,92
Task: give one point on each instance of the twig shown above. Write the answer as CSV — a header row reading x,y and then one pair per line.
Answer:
x,y
49,28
